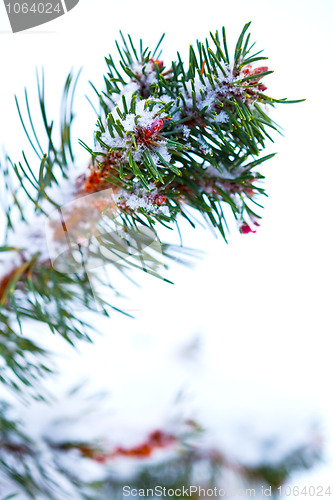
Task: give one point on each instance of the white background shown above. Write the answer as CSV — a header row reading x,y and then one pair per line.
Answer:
x,y
263,304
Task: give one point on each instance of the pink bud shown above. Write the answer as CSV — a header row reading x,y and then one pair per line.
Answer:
x,y
245,229
261,69
154,128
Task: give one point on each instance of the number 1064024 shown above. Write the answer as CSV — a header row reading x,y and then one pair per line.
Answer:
x,y
35,8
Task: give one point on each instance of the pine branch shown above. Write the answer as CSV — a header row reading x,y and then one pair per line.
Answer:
x,y
180,454
171,141
211,121
167,140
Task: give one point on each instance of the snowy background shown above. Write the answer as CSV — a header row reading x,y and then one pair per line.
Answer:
x,y
245,337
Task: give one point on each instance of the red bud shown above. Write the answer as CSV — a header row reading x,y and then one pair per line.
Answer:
x,y
160,199
262,87
156,61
